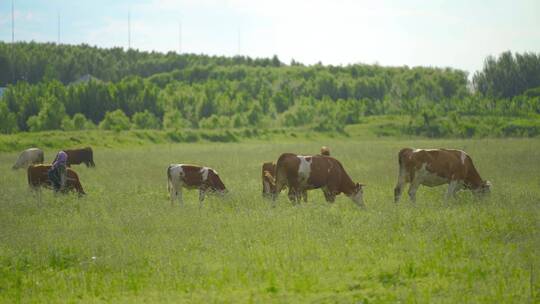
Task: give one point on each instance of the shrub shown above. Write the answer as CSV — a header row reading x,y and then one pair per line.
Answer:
x,y
115,120
145,120
50,116
173,120
8,120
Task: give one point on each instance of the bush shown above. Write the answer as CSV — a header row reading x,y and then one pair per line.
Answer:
x,y
115,120
145,120
173,120
8,120
50,116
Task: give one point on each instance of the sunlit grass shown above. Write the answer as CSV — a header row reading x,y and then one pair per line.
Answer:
x,y
124,242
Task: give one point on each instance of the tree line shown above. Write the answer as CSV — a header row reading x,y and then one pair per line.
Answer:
x,y
132,89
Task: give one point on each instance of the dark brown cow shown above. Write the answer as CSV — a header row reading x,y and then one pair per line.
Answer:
x,y
37,177
193,177
436,167
79,156
301,173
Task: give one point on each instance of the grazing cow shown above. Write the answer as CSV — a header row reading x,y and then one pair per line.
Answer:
x,y
193,177
301,173
325,151
37,177
29,157
78,156
268,179
269,176
435,167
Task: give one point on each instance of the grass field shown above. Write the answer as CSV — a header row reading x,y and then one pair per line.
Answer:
x,y
124,242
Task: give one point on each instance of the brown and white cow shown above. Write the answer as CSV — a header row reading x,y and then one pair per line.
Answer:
x,y
193,177
301,173
29,157
434,167
37,177
269,176
79,156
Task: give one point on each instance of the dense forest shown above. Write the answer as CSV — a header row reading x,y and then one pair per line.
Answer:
x,y
67,87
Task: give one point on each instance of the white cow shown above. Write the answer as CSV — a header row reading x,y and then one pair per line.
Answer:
x,y
29,157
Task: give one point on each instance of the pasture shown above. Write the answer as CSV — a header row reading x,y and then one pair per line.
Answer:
x,y
124,242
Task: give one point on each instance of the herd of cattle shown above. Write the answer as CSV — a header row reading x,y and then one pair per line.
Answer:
x,y
298,173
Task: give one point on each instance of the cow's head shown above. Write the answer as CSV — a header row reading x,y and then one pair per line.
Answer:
x,y
483,190
358,194
215,183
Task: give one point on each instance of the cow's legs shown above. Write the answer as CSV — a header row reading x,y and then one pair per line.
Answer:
x,y
329,196
402,180
412,190
453,187
398,190
201,197
304,195
179,195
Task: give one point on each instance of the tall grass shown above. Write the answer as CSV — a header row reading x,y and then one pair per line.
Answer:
x,y
124,242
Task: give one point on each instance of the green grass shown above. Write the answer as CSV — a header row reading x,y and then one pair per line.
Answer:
x,y
125,243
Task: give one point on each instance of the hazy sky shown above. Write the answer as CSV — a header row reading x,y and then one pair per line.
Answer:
x,y
456,33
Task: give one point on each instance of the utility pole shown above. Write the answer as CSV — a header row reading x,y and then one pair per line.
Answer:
x,y
129,29
12,21
180,37
13,41
58,41
239,40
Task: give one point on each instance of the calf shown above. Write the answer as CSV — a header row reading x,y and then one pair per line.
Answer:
x,y
37,177
436,167
325,151
301,173
193,177
79,156
29,157
268,179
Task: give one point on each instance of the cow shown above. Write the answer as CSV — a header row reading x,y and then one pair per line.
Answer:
x,y
269,176
301,173
29,157
434,167
78,156
193,177
37,177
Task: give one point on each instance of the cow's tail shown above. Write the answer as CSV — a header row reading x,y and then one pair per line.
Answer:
x,y
169,176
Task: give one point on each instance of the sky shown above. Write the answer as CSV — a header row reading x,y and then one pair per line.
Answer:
x,y
458,34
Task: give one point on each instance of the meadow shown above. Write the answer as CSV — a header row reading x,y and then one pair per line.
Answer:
x,y
125,243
